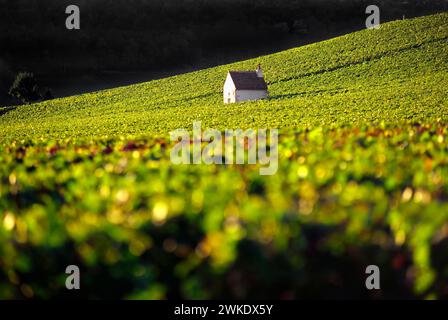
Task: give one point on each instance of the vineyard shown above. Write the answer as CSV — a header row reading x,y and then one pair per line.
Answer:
x,y
362,179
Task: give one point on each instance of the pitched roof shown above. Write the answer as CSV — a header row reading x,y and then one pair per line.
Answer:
x,y
248,80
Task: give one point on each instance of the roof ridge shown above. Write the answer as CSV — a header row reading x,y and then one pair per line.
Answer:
x,y
248,80
243,71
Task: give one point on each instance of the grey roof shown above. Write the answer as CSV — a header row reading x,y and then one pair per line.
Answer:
x,y
248,80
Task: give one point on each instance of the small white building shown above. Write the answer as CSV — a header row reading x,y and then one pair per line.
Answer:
x,y
245,86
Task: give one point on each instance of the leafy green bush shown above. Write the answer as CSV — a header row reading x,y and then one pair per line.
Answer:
x,y
26,89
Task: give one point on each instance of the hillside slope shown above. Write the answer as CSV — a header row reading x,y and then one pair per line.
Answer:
x,y
362,180
396,73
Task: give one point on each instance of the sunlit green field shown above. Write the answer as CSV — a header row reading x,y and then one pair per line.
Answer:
x,y
362,180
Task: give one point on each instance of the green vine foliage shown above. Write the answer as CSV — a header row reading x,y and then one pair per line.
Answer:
x,y
362,179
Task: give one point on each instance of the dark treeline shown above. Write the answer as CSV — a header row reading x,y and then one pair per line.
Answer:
x,y
156,35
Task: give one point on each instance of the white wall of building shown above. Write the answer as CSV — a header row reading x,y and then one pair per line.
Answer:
x,y
229,90
249,95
